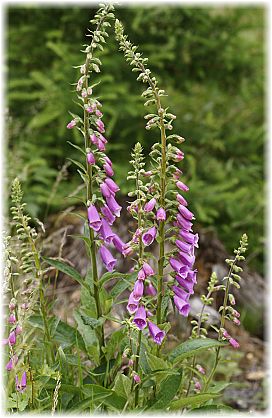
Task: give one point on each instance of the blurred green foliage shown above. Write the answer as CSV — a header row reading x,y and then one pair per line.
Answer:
x,y
210,60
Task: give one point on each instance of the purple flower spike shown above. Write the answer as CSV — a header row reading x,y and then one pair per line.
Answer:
x,y
149,236
21,386
12,338
106,192
108,214
71,124
183,246
90,158
190,238
186,213
107,258
182,186
186,259
181,200
150,290
106,232
113,206
132,305
181,293
108,170
182,306
149,206
148,270
138,289
156,333
186,284
112,185
94,218
140,318
161,215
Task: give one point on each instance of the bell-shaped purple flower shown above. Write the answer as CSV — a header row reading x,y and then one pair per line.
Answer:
x,y
12,363
94,218
90,158
21,386
12,338
150,290
12,319
185,213
156,333
189,237
141,275
132,305
138,289
181,293
182,186
112,185
192,275
100,125
149,206
108,214
105,190
183,246
161,215
103,139
107,258
107,160
184,223
181,200
106,232
186,284
186,259
108,170
178,266
182,306
148,270
113,205
149,236
118,243
140,318
101,145
94,139
18,329
71,124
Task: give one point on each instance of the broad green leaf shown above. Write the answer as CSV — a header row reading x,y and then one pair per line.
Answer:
x,y
66,336
122,285
111,398
191,347
214,408
122,385
156,363
168,390
89,336
219,386
66,269
191,401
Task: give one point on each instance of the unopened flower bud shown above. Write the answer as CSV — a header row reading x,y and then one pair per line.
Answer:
x,y
12,319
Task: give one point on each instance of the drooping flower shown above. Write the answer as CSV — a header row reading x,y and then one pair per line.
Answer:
x,y
186,259
148,270
181,293
234,343
156,333
94,218
161,215
189,237
90,158
132,305
182,306
184,223
113,205
149,236
200,369
138,289
100,125
94,139
181,200
108,169
106,192
182,186
71,124
140,318
178,267
150,290
12,363
136,378
185,212
118,243
107,258
186,284
112,185
108,214
18,329
21,386
149,206
12,319
12,338
183,246
106,231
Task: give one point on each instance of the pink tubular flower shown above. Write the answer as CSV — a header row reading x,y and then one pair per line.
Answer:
x,y
183,246
128,250
186,284
149,206
181,200
100,125
90,158
161,215
103,139
101,145
107,160
107,258
98,113
106,192
234,343
184,223
178,267
147,173
149,236
182,306
12,363
21,386
177,174
108,170
156,333
197,386
113,205
192,275
226,334
106,231
12,319
136,378
90,109
18,329
181,293
150,290
190,238
236,321
200,369
108,214
179,155
138,290
118,243
141,274
185,212
140,318
186,259
12,305
182,186
148,270
112,185
94,218
71,124
12,338
94,139
132,305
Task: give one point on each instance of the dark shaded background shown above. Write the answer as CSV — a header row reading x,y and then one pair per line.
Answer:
x,y
210,60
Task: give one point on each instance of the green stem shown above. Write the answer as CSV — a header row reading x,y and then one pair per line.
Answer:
x,y
137,366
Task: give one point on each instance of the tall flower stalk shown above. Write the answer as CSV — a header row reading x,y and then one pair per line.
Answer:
x,y
165,178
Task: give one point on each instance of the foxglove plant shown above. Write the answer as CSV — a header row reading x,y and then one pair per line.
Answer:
x,y
164,186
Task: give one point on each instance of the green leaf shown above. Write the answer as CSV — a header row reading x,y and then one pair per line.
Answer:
x,y
191,401
89,336
122,385
168,390
110,397
77,147
66,269
122,285
156,363
191,347
219,387
214,408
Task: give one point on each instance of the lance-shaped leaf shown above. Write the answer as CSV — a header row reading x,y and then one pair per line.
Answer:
x,y
191,347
